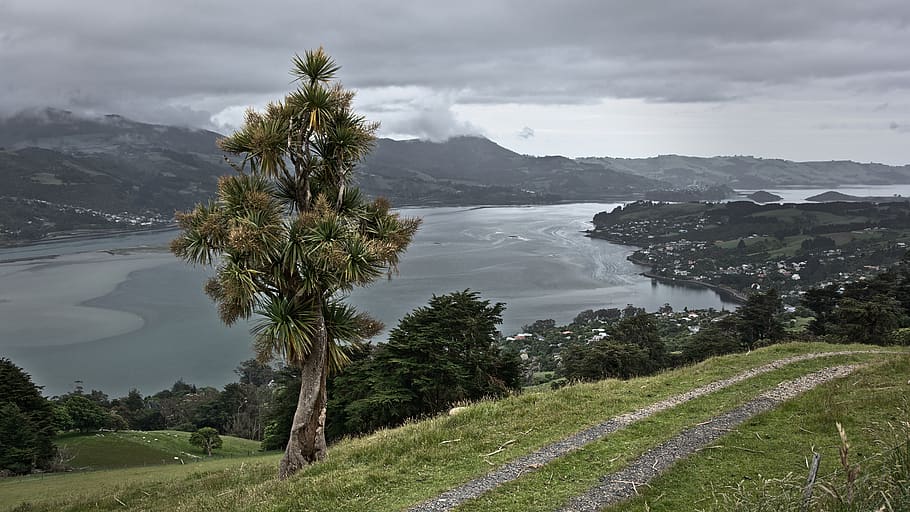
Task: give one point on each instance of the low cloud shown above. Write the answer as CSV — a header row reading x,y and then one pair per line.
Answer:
x,y
526,133
189,58
409,112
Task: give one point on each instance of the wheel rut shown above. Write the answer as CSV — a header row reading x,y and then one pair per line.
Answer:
x,y
519,466
624,483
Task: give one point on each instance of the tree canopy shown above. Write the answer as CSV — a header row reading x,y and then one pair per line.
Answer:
x,y
438,355
26,422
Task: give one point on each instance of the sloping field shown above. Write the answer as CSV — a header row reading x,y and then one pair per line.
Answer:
x,y
403,468
107,450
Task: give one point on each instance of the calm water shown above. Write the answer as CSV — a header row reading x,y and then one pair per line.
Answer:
x,y
71,311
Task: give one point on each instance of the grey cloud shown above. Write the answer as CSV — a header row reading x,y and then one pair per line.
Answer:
x,y
526,133
434,122
188,60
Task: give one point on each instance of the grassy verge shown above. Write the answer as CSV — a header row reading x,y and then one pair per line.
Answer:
x,y
393,469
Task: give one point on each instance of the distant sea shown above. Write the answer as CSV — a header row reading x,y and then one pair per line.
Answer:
x,y
120,312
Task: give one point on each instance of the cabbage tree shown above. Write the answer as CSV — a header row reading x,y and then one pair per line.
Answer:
x,y
289,235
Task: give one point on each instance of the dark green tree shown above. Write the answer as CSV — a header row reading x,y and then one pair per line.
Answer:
x,y
604,359
130,408
255,373
280,408
27,422
758,320
206,438
868,321
438,355
85,413
641,330
823,303
18,441
290,235
711,341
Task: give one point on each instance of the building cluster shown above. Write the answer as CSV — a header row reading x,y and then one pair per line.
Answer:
x,y
124,219
670,254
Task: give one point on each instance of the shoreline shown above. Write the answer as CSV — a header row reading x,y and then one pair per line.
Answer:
x,y
724,292
85,235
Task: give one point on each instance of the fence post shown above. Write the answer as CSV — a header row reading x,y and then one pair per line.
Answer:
x,y
813,470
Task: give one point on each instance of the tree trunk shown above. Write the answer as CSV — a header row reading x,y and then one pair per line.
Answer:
x,y
307,442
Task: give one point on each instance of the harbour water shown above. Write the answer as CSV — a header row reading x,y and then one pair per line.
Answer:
x,y
120,312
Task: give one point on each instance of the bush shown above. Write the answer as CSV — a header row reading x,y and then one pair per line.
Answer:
x,y
900,337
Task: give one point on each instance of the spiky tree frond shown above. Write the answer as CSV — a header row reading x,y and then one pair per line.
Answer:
x,y
315,66
287,328
204,233
348,329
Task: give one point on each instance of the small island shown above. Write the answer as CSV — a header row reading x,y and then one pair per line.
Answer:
x,y
832,196
762,197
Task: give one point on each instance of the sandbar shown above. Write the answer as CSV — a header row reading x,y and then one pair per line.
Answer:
x,y
42,300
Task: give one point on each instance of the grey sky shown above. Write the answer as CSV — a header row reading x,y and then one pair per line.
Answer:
x,y
825,79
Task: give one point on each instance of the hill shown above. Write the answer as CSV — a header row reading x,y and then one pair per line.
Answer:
x,y
107,450
474,170
62,172
832,196
401,468
762,196
748,172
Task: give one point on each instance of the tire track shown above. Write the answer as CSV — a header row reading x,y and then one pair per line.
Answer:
x,y
531,462
624,483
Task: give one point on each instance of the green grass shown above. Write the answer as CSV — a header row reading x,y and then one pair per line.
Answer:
x,y
99,490
393,469
798,324
871,405
552,486
106,450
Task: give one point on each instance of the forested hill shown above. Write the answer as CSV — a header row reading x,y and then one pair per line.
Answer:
x,y
465,170
748,172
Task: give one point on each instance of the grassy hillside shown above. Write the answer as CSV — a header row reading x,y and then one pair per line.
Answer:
x,y
106,450
394,469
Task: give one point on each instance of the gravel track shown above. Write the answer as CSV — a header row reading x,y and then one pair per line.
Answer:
x,y
624,483
534,460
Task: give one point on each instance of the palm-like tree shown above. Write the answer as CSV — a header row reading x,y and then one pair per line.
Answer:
x,y
289,237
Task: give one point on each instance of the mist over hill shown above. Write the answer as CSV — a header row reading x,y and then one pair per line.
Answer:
x,y
63,172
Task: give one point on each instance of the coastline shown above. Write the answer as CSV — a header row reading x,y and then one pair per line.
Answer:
x,y
725,292
87,234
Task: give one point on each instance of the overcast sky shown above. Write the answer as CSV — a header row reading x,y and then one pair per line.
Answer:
x,y
804,80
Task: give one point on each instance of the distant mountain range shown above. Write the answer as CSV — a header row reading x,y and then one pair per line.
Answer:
x,y
748,172
63,172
